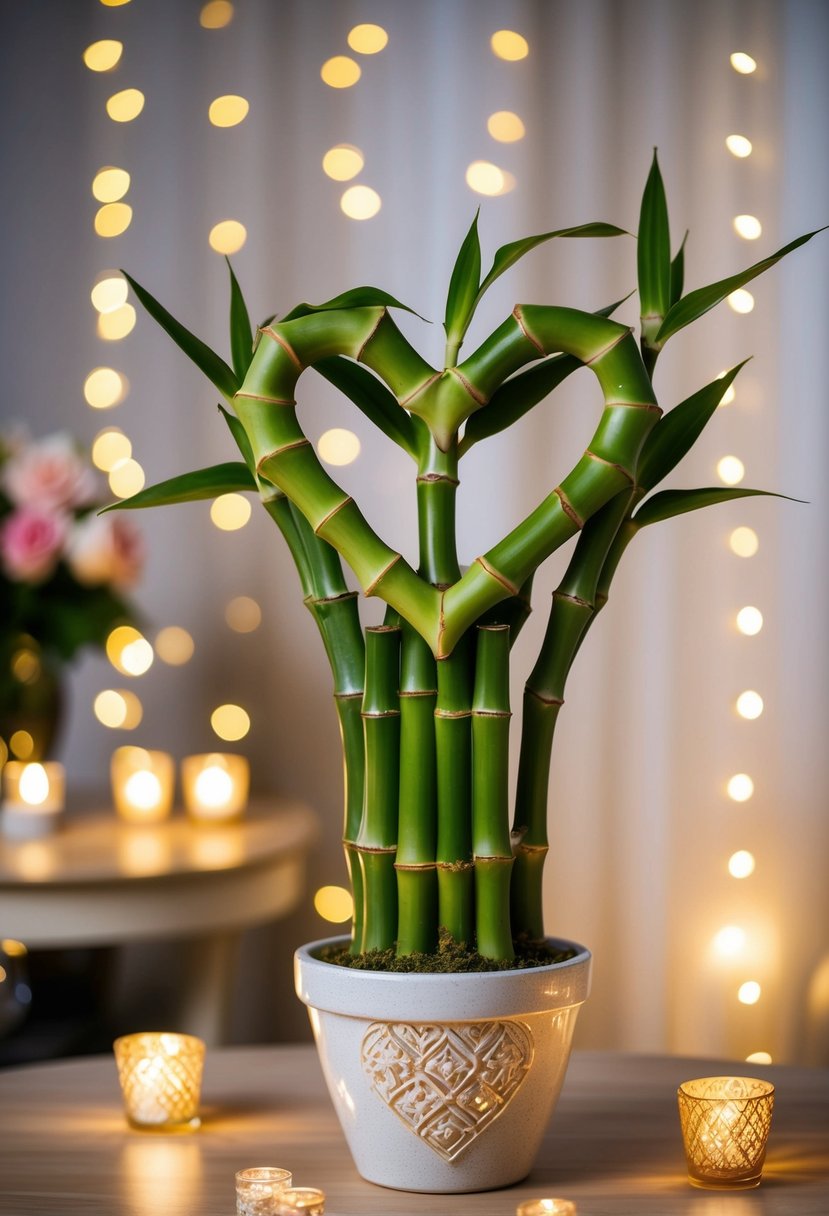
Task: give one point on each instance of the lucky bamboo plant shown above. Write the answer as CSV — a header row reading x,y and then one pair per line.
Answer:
x,y
423,699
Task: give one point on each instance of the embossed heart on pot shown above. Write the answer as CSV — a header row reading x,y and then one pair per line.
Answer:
x,y
424,410
447,1083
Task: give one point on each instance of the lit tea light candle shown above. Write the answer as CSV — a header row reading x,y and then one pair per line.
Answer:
x,y
305,1199
257,1189
725,1126
32,800
142,784
546,1207
215,785
160,1075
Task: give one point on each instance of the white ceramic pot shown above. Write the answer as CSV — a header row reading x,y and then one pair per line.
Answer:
x,y
443,1082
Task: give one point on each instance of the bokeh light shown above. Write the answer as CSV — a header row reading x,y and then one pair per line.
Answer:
x,y
216,15
109,447
749,704
360,202
485,178
338,446
109,293
129,651
343,162
104,55
741,301
126,478
228,111
739,145
230,722
730,470
741,864
112,219
104,387
730,941
740,787
367,39
744,542
115,325
228,236
174,645
334,904
507,44
505,126
759,1057
110,184
229,512
748,227
243,614
118,709
126,105
749,993
743,63
340,72
749,620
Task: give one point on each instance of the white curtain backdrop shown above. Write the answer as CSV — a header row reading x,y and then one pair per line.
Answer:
x,y
641,825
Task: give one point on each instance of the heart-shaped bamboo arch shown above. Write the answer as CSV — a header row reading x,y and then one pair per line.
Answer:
x,y
443,401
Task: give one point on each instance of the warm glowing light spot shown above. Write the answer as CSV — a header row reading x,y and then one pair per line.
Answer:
x,y
342,162
143,790
759,1057
103,56
739,145
216,15
228,236
104,387
741,301
21,744
230,512
3,975
109,447
744,542
12,948
749,620
749,993
228,111
743,63
741,864
749,704
109,293
118,709
114,3
26,665
360,202
505,126
507,44
748,227
334,904
740,787
34,785
731,470
367,39
117,640
126,105
230,722
341,72
243,614
129,651
112,326
126,478
485,178
174,645
213,786
112,219
730,941
4,753
338,446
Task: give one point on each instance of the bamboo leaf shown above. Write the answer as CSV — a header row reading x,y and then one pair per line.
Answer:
x,y
463,286
241,337
669,503
191,487
358,297
372,398
677,432
515,397
653,254
241,436
698,302
215,368
508,255
678,272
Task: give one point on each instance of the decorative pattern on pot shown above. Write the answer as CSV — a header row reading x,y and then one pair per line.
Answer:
x,y
447,1083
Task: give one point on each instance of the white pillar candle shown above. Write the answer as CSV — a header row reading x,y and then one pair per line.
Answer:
x,y
33,796
142,784
215,785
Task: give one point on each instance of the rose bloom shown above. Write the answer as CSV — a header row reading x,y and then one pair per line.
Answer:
x,y
31,540
50,473
105,549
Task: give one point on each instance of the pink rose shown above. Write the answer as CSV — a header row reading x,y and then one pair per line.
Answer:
x,y
105,549
31,540
49,473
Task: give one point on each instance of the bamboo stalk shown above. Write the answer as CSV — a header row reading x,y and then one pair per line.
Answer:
x,y
453,740
490,793
376,844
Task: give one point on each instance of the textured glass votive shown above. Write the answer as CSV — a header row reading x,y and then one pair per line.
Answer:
x,y
142,784
215,786
257,1190
546,1207
725,1125
160,1075
300,1199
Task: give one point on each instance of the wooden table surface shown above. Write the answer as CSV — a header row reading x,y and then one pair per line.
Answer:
x,y
613,1146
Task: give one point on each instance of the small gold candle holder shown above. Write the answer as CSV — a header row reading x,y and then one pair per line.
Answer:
x,y
258,1188
546,1207
304,1199
215,786
33,795
725,1126
160,1075
142,784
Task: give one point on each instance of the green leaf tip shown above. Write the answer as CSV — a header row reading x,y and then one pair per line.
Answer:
x,y
358,297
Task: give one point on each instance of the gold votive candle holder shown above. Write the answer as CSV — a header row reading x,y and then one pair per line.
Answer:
x,y
546,1207
258,1188
305,1199
215,786
33,796
160,1074
725,1126
143,783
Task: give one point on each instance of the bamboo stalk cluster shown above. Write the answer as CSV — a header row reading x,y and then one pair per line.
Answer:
x,y
431,839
